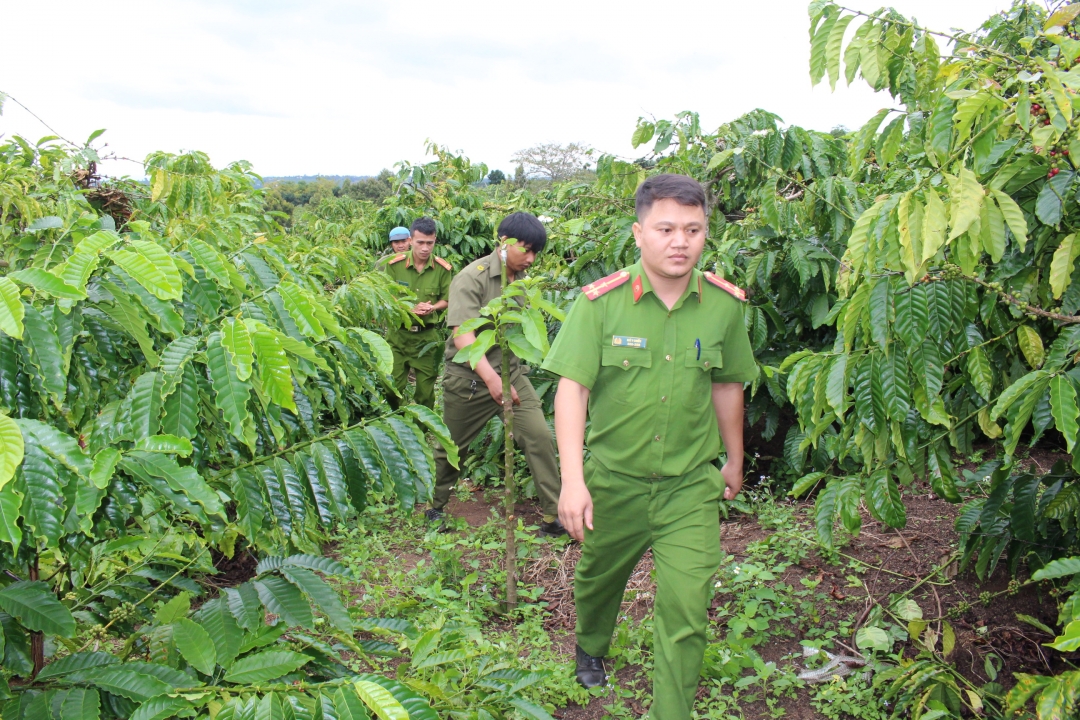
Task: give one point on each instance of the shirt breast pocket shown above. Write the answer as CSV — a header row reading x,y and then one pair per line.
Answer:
x,y
706,360
622,369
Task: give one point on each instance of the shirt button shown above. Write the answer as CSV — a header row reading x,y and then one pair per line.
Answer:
x,y
657,438
663,399
656,475
706,363
626,363
668,358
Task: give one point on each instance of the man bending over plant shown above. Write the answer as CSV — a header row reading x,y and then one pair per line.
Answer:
x,y
472,397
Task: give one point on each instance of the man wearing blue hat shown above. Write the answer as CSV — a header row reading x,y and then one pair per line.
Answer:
x,y
400,239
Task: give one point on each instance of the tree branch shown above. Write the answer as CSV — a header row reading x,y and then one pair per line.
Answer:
x,y
1025,307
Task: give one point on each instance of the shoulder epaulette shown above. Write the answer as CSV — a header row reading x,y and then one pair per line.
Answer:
x,y
397,258
737,292
603,285
445,264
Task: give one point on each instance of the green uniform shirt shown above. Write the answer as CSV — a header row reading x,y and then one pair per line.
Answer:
x,y
473,288
651,389
430,285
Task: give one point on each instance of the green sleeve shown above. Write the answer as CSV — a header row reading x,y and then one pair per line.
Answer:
x,y
464,299
739,363
575,354
444,286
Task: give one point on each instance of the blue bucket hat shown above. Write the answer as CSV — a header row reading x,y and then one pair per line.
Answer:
x,y
400,233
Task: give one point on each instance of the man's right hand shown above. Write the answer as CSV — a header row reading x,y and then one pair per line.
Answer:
x,y
495,388
576,509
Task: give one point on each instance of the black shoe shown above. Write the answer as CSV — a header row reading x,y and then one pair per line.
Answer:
x,y
590,670
435,515
552,529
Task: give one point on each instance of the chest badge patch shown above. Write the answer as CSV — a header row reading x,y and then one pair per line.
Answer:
x,y
631,342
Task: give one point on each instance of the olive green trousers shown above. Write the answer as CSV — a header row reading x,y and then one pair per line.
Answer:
x,y
467,408
409,352
679,519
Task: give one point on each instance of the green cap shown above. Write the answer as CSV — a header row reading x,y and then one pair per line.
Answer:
x,y
400,233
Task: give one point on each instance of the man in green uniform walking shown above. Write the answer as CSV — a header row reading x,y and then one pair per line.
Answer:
x,y
472,397
417,345
656,355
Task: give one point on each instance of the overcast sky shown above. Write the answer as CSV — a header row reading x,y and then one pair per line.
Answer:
x,y
337,87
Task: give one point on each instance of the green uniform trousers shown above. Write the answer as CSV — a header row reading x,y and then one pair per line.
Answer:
x,y
678,517
467,408
407,349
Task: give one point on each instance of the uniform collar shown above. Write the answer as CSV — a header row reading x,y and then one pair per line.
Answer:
x,y
409,261
494,266
641,286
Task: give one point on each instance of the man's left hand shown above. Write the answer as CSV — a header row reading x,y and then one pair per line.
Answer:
x,y
733,479
422,308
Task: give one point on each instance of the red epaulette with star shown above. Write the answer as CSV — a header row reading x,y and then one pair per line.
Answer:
x,y
397,258
447,266
737,292
596,289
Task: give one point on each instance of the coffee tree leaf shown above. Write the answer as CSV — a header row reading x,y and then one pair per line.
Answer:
x,y
1061,266
45,282
75,662
264,666
11,309
150,265
195,645
1031,345
161,708
275,372
11,449
283,599
236,339
380,700
321,594
33,604
231,394
883,499
302,310
1063,567
1014,217
965,203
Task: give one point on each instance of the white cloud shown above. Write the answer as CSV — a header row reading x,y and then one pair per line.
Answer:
x,y
329,86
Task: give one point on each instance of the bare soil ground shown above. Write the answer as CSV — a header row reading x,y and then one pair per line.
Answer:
x,y
893,561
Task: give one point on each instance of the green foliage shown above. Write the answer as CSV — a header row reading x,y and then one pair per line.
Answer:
x,y
201,661
171,387
940,319
189,376
513,322
1020,517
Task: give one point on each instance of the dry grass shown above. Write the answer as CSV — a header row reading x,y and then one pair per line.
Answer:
x,y
554,570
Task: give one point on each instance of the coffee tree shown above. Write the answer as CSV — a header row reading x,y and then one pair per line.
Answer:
x,y
173,389
514,322
957,310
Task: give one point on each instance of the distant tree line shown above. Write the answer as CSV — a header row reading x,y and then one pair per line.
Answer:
x,y
286,195
536,166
